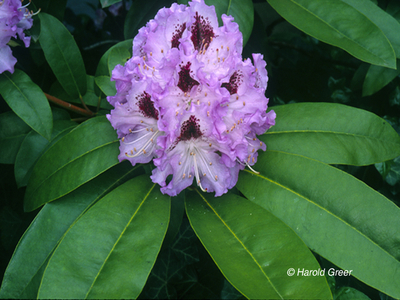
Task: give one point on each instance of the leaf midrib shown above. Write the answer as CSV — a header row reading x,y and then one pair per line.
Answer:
x,y
66,63
316,204
119,238
342,34
247,250
69,162
333,133
40,125
101,195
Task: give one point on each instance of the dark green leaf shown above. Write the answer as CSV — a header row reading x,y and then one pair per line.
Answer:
x,y
118,56
27,100
111,249
339,24
390,170
254,249
332,133
33,147
377,78
85,152
63,55
12,133
348,293
103,68
385,22
106,85
50,226
335,214
90,98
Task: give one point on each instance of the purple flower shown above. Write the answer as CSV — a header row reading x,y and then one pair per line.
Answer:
x,y
14,19
188,100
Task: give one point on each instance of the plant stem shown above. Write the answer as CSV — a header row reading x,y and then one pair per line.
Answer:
x,y
69,106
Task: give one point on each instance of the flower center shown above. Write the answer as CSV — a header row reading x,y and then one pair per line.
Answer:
x,y
202,32
185,81
146,106
190,129
233,84
177,35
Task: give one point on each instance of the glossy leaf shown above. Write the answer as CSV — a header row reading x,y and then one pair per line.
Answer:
x,y
91,98
110,251
254,249
85,152
28,260
105,66
386,23
33,147
12,133
339,24
106,85
118,56
241,10
27,100
377,78
63,55
335,214
332,133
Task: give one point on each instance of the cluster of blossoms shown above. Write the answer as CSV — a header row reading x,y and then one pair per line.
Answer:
x,y
14,19
187,99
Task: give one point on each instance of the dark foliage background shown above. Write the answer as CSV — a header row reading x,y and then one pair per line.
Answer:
x,y
301,69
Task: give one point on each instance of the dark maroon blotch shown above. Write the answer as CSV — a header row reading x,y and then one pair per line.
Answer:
x,y
177,35
202,32
146,106
185,81
233,84
190,129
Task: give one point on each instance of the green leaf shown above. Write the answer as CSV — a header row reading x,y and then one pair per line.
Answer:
x,y
339,24
50,226
386,23
348,293
118,56
33,147
28,102
241,10
390,170
335,214
126,228
254,249
90,98
332,133
12,133
63,56
106,85
103,68
377,78
106,3
85,152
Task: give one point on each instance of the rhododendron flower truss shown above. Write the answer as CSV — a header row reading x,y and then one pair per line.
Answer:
x,y
188,100
14,19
